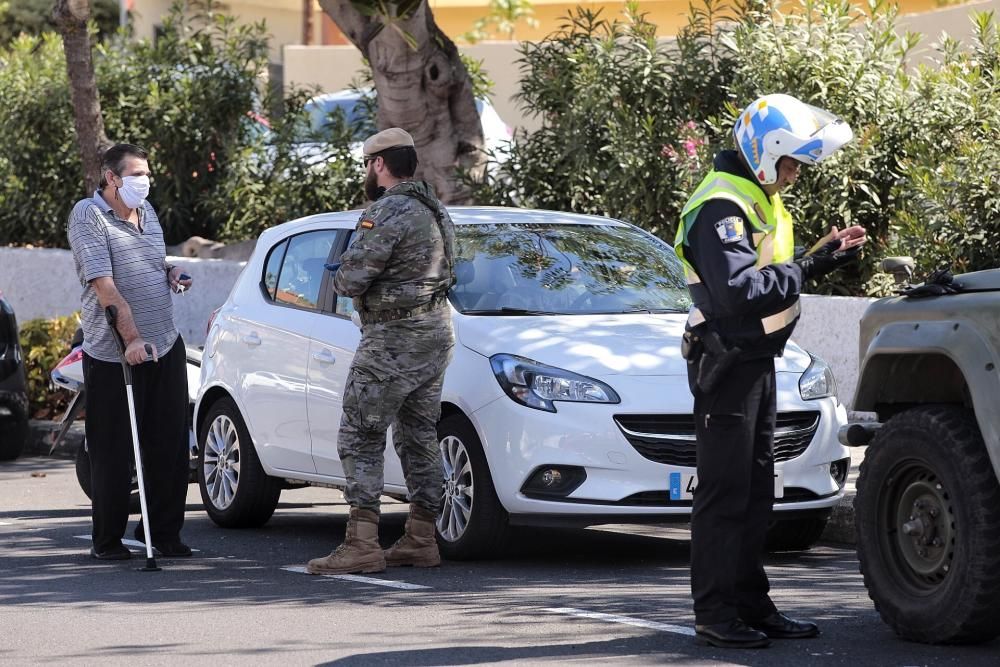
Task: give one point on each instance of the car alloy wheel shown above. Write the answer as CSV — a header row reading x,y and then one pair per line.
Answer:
x,y
458,489
222,461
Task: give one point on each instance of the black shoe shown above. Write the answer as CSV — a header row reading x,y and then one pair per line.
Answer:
x,y
174,549
118,552
779,626
167,549
731,634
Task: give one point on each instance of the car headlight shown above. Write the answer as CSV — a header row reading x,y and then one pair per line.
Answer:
x,y
539,386
817,381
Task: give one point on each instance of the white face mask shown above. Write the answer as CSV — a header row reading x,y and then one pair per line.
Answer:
x,y
133,190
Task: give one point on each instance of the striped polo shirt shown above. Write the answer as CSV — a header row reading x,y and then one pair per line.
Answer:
x,y
104,245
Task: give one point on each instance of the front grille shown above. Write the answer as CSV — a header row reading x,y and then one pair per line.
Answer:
x,y
793,494
670,439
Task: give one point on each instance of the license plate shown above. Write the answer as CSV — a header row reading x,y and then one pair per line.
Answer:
x,y
682,485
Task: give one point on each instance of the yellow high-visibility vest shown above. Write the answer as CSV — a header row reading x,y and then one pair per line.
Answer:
x,y
773,236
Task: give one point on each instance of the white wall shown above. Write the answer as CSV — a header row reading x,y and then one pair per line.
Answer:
x,y
43,283
829,329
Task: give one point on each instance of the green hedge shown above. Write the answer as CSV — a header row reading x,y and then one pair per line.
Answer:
x,y
45,342
629,125
187,98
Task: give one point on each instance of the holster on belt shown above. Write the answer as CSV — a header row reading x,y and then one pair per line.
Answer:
x,y
709,356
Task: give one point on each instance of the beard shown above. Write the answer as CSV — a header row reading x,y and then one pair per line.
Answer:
x,y
372,189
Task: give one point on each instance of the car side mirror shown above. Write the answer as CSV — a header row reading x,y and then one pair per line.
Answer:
x,y
901,269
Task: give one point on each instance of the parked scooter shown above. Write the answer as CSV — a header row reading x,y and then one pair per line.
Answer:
x,y
68,374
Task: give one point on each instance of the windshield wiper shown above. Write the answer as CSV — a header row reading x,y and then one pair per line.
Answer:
x,y
651,311
508,310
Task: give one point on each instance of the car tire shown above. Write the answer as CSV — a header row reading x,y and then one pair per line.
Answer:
x,y
795,534
14,434
928,527
471,525
236,491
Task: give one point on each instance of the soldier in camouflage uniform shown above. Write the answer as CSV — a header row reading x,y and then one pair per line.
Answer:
x,y
398,271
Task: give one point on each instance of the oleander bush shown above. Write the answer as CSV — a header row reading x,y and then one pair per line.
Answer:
x,y
197,99
629,125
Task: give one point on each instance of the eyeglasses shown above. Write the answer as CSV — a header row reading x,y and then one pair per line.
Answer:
x,y
370,158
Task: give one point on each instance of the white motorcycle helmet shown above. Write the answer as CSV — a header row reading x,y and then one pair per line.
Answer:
x,y
776,126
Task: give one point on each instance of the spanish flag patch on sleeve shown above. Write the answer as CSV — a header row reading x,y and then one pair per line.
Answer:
x,y
366,224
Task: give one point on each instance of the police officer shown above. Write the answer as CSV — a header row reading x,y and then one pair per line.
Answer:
x,y
398,271
735,240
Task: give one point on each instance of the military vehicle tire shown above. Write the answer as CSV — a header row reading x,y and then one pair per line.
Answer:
x,y
795,534
928,527
473,523
236,491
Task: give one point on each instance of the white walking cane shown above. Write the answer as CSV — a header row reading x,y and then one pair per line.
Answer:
x,y
111,313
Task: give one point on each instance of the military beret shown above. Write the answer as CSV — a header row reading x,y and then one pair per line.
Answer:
x,y
394,137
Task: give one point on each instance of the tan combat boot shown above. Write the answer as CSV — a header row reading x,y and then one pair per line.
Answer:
x,y
360,551
418,546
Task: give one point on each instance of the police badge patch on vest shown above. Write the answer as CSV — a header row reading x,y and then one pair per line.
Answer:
x,y
730,230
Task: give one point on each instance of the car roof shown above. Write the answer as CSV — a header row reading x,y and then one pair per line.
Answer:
x,y
460,215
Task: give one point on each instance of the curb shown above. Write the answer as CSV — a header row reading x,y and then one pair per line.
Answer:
x,y
840,528
40,439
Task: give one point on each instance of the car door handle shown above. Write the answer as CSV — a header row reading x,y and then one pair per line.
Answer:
x,y
253,340
325,357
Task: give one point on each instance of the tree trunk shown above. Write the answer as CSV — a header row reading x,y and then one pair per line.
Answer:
x,y
425,90
71,18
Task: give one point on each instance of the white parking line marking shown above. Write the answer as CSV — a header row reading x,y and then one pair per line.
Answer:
x,y
6,523
624,620
300,569
129,543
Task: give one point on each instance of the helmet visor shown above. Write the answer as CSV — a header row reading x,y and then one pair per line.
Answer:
x,y
830,135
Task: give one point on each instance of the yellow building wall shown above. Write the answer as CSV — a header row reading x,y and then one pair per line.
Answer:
x,y
456,17
284,18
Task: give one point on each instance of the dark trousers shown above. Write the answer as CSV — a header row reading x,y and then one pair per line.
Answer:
x,y
161,403
732,503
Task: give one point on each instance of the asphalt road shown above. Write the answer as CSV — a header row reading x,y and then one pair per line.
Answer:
x,y
614,595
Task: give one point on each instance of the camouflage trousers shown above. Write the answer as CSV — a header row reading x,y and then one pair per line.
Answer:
x,y
395,380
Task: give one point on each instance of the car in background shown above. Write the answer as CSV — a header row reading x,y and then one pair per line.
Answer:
x,y
566,402
349,104
13,388
497,135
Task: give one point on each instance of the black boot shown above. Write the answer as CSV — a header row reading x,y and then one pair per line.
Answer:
x,y
730,634
779,626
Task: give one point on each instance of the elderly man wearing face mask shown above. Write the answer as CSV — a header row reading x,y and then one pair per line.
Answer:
x,y
120,258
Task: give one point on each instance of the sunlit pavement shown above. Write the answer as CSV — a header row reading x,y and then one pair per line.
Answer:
x,y
617,594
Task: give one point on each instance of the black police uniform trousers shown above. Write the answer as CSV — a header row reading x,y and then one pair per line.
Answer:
x,y
734,425
161,404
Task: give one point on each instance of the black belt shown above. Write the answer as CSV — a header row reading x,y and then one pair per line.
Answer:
x,y
393,314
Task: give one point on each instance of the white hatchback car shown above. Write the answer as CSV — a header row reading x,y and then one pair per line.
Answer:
x,y
566,403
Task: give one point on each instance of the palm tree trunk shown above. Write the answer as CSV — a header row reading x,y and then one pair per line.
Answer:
x,y
71,18
423,87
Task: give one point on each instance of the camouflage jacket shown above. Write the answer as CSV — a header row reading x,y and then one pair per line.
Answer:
x,y
403,254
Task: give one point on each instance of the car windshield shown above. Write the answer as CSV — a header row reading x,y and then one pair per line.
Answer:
x,y
537,269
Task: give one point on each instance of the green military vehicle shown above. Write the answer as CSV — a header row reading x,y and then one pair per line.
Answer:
x,y
927,509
